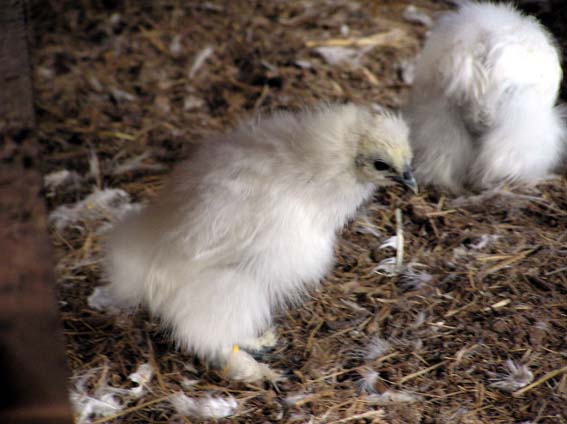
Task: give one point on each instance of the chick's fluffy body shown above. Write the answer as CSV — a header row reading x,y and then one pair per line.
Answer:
x,y
482,110
245,225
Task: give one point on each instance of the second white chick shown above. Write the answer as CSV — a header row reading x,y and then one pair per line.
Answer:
x,y
247,225
482,109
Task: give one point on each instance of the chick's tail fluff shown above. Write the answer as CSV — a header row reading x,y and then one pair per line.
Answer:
x,y
126,261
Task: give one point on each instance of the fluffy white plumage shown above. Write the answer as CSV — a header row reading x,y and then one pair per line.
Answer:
x,y
247,224
482,109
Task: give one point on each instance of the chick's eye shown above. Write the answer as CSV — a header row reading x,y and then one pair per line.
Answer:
x,y
381,166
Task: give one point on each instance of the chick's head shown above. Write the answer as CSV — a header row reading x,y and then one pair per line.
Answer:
x,y
383,152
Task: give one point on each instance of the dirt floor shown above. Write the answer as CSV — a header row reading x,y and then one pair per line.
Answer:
x,y
474,330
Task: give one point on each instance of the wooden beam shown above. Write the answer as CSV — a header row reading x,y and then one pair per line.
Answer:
x,y
33,373
16,102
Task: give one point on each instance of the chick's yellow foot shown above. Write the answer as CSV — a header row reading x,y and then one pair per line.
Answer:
x,y
240,366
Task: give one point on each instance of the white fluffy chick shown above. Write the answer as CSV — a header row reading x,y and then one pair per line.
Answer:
x,y
482,109
247,225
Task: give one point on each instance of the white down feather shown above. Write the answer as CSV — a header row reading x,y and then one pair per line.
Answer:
x,y
482,110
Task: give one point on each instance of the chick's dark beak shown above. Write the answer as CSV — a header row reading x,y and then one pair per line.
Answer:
x,y
407,179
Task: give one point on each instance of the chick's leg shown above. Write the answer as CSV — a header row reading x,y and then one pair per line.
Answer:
x,y
215,310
